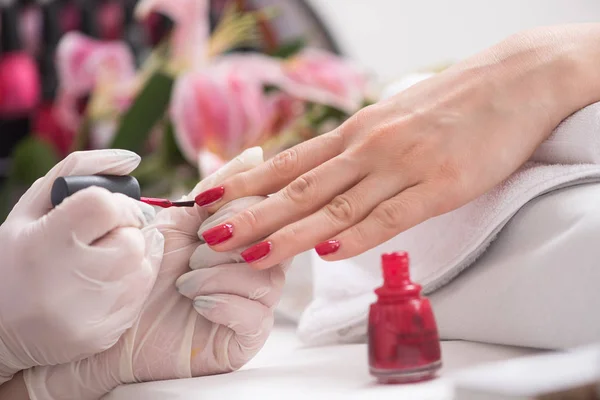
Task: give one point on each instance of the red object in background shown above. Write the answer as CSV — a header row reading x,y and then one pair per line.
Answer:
x,y
47,128
70,20
404,345
19,84
110,20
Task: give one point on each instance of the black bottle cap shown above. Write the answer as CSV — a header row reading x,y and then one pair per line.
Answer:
x,y
65,186
10,35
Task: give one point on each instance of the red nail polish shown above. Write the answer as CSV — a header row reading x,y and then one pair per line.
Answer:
x,y
218,234
403,341
328,247
256,252
210,196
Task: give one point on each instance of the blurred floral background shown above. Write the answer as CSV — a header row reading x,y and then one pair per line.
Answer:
x,y
187,84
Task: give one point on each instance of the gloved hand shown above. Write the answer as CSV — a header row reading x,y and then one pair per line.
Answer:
x,y
226,324
73,278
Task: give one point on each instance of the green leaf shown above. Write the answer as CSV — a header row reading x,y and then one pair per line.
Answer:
x,y
146,111
32,159
170,150
289,48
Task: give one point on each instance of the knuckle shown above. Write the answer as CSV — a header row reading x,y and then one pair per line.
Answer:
x,y
249,218
389,215
359,120
133,244
300,190
285,163
95,198
341,209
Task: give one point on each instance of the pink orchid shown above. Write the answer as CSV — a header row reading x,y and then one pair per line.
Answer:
x,y
325,78
85,64
222,111
191,31
223,108
312,75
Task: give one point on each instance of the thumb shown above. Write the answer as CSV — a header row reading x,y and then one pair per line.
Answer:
x,y
36,201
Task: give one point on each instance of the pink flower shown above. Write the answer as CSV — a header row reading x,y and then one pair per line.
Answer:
x,y
312,75
219,110
85,64
327,79
191,31
222,109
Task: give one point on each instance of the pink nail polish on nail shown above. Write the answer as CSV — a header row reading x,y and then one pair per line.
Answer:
x,y
218,234
210,196
328,247
257,252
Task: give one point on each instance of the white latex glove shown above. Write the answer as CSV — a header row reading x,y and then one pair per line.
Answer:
x,y
73,278
174,337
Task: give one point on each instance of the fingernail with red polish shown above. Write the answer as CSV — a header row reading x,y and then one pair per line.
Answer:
x,y
218,234
210,196
328,247
257,252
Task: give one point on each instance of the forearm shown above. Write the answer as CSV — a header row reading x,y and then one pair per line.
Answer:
x,y
14,389
549,72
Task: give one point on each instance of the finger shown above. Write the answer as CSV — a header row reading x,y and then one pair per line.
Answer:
x,y
342,212
409,208
235,279
205,257
89,214
300,198
275,173
188,220
247,160
248,319
131,282
120,252
94,162
138,283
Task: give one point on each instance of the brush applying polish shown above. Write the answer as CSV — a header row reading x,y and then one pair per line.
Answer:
x,y
65,186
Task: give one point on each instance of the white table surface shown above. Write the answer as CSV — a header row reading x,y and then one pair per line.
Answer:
x,y
285,369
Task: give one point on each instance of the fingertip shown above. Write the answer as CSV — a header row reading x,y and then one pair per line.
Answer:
x,y
327,247
210,197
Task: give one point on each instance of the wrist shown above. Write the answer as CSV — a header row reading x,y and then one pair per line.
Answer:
x,y
571,75
548,73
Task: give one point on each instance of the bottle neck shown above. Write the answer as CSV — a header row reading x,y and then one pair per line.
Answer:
x,y
386,294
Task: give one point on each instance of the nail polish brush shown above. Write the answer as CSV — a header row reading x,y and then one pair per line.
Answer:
x,y
65,186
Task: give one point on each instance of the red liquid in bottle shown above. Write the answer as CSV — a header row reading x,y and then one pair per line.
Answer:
x,y
403,343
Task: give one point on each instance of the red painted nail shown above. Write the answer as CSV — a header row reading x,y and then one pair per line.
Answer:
x,y
218,234
257,252
328,247
210,196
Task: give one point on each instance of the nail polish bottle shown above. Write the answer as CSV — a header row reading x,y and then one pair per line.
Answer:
x,y
70,20
403,343
19,83
110,19
45,123
19,77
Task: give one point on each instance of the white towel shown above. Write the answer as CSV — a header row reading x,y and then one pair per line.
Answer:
x,y
442,247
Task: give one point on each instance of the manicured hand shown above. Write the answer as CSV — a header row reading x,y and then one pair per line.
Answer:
x,y
422,153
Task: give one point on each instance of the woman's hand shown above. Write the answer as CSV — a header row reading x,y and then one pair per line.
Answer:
x,y
422,153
